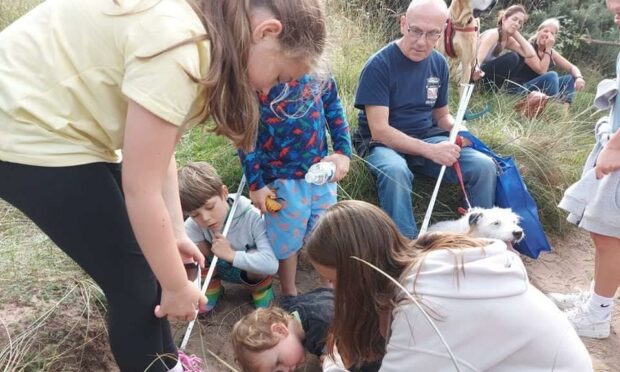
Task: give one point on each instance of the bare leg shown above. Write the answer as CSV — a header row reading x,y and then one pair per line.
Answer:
x,y
287,271
593,318
607,265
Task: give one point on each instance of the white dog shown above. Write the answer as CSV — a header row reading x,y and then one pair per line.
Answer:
x,y
493,223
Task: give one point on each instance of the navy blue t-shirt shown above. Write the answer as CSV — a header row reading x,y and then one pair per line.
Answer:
x,y
410,89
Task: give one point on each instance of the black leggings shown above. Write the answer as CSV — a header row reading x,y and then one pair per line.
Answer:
x,y
82,209
501,70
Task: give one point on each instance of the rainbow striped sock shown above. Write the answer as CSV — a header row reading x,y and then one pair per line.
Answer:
x,y
262,293
214,291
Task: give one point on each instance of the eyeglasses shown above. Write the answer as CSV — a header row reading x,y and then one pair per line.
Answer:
x,y
416,34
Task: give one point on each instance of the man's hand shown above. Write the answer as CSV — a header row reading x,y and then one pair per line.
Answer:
x,y
443,153
342,165
258,198
220,246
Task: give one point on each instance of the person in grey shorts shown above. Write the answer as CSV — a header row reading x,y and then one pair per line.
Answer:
x,y
593,204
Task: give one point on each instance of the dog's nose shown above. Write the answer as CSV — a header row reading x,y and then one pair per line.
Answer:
x,y
517,234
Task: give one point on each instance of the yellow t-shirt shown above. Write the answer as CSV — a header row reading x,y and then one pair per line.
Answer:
x,y
69,67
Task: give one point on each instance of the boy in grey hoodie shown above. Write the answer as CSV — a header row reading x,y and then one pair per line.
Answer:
x,y
245,256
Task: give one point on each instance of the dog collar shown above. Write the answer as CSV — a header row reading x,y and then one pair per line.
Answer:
x,y
466,28
451,28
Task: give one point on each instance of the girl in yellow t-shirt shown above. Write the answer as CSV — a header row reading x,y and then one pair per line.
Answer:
x,y
83,83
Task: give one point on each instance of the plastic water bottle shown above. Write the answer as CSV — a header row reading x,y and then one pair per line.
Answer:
x,y
320,172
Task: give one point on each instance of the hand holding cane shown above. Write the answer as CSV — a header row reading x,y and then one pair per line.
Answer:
x,y
466,95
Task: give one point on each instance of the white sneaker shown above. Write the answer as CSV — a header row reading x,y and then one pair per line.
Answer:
x,y
586,324
565,301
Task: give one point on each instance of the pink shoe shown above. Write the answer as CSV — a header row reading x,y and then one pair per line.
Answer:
x,y
190,363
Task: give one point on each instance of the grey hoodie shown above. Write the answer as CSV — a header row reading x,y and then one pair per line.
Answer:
x,y
247,236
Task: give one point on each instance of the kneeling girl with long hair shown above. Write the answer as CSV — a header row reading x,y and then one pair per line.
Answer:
x,y
476,292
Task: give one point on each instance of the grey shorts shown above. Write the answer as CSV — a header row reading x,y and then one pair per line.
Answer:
x,y
594,205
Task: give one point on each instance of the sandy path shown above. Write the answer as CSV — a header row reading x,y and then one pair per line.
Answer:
x,y
570,267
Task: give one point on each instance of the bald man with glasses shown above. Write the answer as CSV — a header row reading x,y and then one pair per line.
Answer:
x,y
404,118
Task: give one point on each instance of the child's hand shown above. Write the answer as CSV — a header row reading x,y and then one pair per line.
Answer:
x,y
342,165
608,161
220,246
189,251
258,198
182,303
205,248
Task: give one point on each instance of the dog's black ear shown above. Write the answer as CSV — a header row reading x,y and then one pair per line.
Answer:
x,y
474,217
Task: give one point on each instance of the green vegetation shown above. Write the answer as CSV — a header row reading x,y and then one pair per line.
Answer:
x,y
52,315
549,150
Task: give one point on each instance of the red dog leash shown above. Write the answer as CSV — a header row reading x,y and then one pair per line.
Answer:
x,y
459,175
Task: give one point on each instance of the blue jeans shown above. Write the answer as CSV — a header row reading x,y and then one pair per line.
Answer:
x,y
505,71
550,83
394,173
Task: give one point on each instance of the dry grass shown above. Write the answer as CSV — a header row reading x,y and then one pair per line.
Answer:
x,y
52,317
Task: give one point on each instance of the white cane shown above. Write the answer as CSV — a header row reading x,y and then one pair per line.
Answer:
x,y
465,96
205,285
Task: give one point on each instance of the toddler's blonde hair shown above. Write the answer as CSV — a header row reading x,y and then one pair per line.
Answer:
x,y
252,334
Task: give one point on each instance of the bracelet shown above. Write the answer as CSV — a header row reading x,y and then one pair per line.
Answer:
x,y
579,77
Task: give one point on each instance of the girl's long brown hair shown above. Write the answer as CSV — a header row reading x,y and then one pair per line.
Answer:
x,y
231,101
362,295
229,98
356,228
506,13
